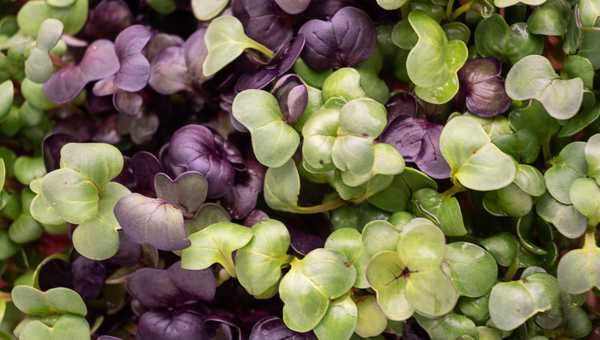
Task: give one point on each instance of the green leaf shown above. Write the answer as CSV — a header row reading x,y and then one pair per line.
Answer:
x,y
344,83
494,38
391,5
475,162
508,3
282,187
532,115
441,210
205,10
388,161
66,327
320,134
585,195
426,63
567,167
356,216
34,94
2,173
431,292
339,321
72,195
370,321
215,245
533,77
512,303
523,145
566,218
54,301
397,196
530,180
457,31
450,327
258,263
404,36
579,269
476,309
311,76
592,156
514,201
504,247
33,14
209,213
455,56
226,40
377,236
7,247
386,275
580,121
162,6
27,169
97,161
347,241
310,283
472,269
6,97
577,66
38,67
98,238
273,140
551,18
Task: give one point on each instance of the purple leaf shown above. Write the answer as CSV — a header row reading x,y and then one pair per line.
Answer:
x,y
241,199
169,73
292,96
151,221
146,166
165,161
347,40
418,141
188,190
55,273
78,126
195,52
127,175
482,87
291,54
107,20
293,6
135,68
307,232
97,104
273,328
107,131
159,288
51,147
256,79
161,41
254,217
129,252
401,104
324,10
88,277
173,325
128,103
264,22
197,149
108,337
99,62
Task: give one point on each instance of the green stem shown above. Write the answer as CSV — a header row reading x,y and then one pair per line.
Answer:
x,y
462,9
321,207
590,240
454,190
405,9
546,149
512,270
264,50
449,9
222,276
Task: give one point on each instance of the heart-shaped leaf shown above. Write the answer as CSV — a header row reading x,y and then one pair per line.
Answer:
x,y
258,263
472,269
73,196
40,209
377,236
570,165
97,161
49,34
532,115
27,169
273,140
388,161
55,301
561,98
566,218
66,327
494,38
370,321
188,190
226,40
349,38
482,87
340,320
135,68
208,214
215,244
310,283
475,162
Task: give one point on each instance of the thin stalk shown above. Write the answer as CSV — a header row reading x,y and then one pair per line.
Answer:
x,y
405,9
462,9
546,149
512,270
449,9
264,50
454,190
321,207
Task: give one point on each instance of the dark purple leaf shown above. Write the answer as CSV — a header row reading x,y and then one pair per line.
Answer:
x,y
195,52
165,161
229,152
236,123
107,131
264,22
161,41
99,62
303,243
151,221
273,328
291,54
135,68
324,10
78,126
127,175
146,166
159,288
241,199
173,325
293,6
307,232
55,273
194,147
169,73
97,104
418,141
401,104
107,20
228,322
482,87
292,96
128,103
413,331
254,217
141,127
51,147
256,79
188,190
108,337
129,252
88,277
348,39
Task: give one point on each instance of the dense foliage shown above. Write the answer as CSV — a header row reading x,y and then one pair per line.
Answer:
x,y
297,169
